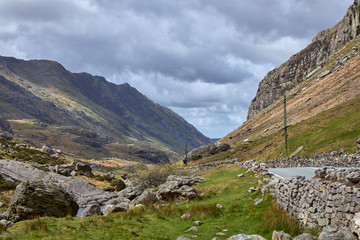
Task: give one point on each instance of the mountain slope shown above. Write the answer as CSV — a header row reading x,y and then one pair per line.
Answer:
x,y
304,64
96,111
322,86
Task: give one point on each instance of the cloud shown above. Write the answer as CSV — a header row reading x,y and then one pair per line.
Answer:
x,y
202,58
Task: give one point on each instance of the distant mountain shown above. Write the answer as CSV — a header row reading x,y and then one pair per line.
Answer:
x,y
87,115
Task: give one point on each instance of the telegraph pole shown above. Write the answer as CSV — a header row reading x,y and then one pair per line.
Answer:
x,y
186,152
285,127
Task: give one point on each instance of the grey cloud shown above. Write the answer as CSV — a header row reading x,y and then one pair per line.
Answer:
x,y
203,58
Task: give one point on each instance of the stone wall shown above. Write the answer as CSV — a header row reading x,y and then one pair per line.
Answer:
x,y
319,202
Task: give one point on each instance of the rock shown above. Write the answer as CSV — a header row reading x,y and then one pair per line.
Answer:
x,y
280,236
220,234
100,199
219,205
197,223
46,149
305,236
353,177
178,188
6,224
334,233
216,238
251,190
38,199
64,169
117,200
324,74
83,169
130,192
193,229
1,204
115,208
246,237
186,216
183,238
355,224
92,210
5,125
207,150
258,202
240,175
148,196
79,189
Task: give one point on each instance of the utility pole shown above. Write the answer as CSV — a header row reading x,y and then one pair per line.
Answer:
x,y
285,127
186,152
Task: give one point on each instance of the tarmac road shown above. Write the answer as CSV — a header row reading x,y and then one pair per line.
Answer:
x,y
283,173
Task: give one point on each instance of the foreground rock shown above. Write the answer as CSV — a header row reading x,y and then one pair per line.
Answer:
x,y
333,233
305,236
280,236
92,210
246,237
39,199
109,209
82,191
179,188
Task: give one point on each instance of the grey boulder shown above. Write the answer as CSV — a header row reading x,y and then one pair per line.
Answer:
x,y
130,192
246,237
92,210
280,236
333,233
38,199
109,209
305,236
177,187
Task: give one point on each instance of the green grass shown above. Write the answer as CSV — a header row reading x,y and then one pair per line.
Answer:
x,y
332,130
238,215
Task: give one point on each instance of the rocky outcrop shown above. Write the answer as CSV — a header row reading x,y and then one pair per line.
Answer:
x,y
82,191
280,236
178,188
5,125
207,150
39,199
306,63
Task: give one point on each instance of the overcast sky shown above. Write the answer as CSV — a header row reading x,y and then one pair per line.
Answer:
x,y
202,58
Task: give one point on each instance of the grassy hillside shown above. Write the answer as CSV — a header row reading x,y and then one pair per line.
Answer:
x,y
78,105
238,215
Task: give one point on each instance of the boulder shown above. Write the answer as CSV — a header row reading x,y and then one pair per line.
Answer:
x,y
5,125
353,177
334,233
305,236
193,229
178,188
148,196
131,192
115,208
117,200
38,199
246,237
183,238
64,169
92,210
280,236
355,224
81,190
83,169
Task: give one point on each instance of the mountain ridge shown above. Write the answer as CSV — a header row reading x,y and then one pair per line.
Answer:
x,y
46,91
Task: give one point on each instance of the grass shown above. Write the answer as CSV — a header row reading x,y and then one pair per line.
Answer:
x,y
332,130
238,215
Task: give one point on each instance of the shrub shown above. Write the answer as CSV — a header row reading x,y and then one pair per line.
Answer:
x,y
154,175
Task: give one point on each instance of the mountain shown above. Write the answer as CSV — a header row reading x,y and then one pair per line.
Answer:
x,y
307,62
87,115
322,88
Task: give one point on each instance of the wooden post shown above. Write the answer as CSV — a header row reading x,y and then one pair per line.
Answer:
x,y
285,127
186,152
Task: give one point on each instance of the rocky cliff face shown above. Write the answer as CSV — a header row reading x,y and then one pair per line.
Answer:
x,y
304,64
